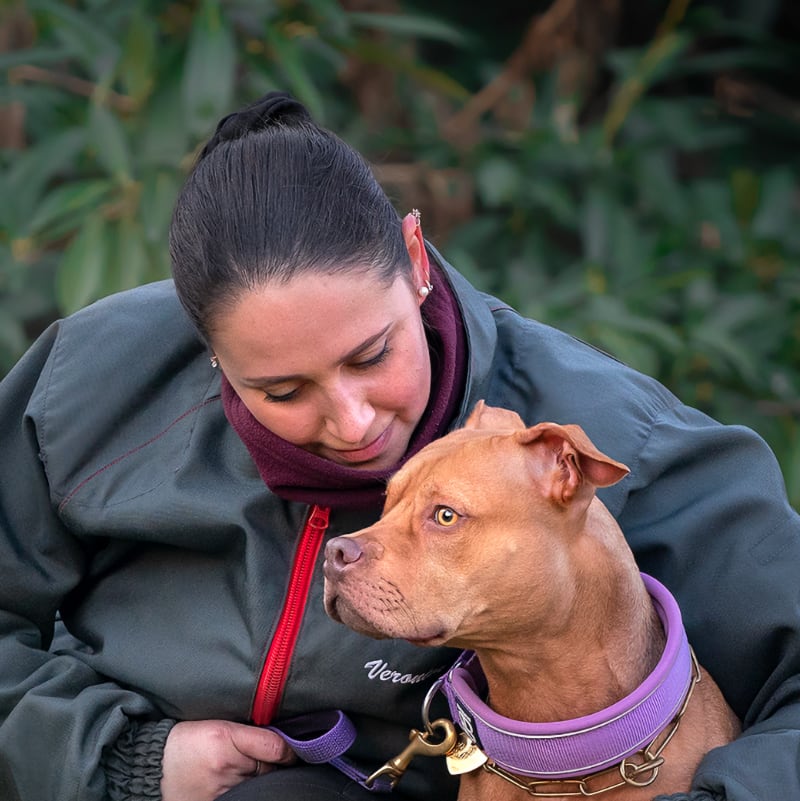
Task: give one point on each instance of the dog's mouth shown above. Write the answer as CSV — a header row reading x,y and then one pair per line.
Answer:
x,y
428,641
342,610
330,608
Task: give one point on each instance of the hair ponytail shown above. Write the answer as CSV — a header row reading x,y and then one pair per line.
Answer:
x,y
272,108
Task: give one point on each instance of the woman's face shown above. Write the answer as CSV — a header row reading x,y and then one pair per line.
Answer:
x,y
336,364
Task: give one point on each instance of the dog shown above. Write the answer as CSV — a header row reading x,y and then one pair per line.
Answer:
x,y
493,540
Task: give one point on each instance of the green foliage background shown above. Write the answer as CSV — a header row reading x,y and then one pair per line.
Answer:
x,y
648,216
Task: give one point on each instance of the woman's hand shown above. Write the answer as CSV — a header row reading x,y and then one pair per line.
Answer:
x,y
205,758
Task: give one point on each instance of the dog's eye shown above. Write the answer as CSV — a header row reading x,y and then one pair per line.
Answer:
x,y
445,516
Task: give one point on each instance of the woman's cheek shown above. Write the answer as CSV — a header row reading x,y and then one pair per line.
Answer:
x,y
286,420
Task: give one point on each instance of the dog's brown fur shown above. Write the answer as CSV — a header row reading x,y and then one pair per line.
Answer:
x,y
532,572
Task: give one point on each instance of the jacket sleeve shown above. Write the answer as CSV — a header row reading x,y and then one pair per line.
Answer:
x,y
707,514
60,722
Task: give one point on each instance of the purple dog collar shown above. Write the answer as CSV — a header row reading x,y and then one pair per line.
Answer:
x,y
574,748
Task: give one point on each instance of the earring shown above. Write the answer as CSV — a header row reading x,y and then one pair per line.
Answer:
x,y
214,361
425,289
417,215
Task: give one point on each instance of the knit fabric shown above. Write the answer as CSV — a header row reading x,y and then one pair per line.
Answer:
x,y
133,765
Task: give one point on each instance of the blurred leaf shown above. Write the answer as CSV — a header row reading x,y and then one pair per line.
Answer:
x,y
734,58
713,205
108,141
159,191
791,466
739,311
686,124
158,264
138,61
778,204
660,192
498,181
719,21
631,248
758,15
127,259
12,334
332,15
623,61
208,76
80,274
288,55
637,354
29,173
37,56
744,186
395,60
654,64
612,313
63,207
719,336
595,228
411,25
164,139
552,196
726,355
83,35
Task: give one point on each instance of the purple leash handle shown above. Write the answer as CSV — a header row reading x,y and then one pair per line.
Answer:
x,y
323,737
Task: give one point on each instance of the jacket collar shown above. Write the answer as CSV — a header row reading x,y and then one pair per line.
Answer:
x,y
476,311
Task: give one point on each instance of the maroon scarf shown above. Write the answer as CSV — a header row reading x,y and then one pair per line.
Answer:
x,y
299,475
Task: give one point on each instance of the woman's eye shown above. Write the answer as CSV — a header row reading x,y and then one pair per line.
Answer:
x,y
282,397
377,359
445,516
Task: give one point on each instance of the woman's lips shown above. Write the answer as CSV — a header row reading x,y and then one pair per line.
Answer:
x,y
366,454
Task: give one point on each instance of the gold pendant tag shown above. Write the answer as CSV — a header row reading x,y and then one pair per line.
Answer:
x,y
465,756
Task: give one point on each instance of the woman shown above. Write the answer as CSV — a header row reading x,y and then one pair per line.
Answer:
x,y
174,457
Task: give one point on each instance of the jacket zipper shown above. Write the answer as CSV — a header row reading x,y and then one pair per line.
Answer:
x,y
276,664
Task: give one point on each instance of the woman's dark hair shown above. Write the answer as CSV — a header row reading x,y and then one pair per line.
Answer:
x,y
272,195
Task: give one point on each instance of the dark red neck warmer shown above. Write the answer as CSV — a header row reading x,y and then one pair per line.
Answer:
x,y
298,475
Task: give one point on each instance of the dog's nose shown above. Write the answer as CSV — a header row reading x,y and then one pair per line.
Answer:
x,y
341,552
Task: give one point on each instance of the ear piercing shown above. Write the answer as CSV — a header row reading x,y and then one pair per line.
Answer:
x,y
427,287
214,361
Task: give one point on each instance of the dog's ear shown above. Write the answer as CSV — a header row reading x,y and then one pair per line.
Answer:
x,y
575,459
493,418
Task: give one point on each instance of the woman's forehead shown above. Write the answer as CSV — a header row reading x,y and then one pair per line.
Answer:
x,y
312,317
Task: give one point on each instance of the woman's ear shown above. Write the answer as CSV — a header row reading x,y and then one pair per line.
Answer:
x,y
415,244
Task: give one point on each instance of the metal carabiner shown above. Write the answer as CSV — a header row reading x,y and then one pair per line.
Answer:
x,y
418,746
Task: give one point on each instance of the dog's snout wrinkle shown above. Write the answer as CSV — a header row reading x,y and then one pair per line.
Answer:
x,y
388,596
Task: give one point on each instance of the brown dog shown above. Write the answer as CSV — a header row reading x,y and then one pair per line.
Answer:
x,y
492,540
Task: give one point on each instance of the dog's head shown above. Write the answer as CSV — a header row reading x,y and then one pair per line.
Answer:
x,y
472,523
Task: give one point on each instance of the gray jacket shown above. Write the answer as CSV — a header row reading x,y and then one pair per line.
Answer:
x,y
130,507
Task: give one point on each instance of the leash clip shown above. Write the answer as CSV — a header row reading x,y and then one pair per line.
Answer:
x,y
418,745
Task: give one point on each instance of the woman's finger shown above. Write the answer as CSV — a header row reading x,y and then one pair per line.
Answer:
x,y
261,745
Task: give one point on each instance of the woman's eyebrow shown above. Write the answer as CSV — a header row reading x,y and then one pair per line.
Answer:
x,y
356,351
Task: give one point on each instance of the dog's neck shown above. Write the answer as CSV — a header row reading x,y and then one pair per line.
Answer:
x,y
598,646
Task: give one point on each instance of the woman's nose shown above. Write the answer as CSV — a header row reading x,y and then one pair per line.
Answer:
x,y
350,416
